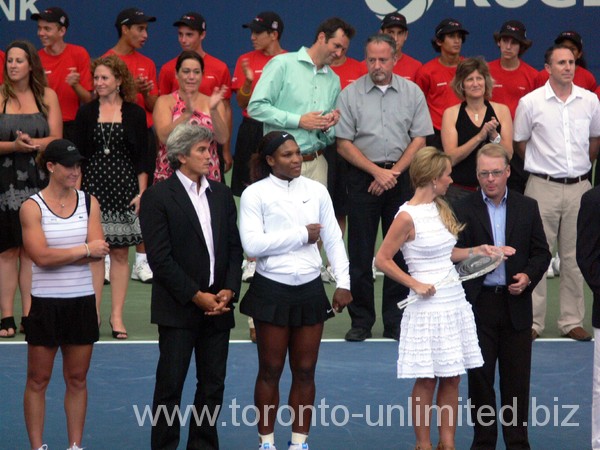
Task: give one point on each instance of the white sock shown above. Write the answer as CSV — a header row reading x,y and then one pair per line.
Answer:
x,y
266,438
299,438
140,258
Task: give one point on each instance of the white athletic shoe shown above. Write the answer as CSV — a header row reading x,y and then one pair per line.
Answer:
x,y
556,265
107,269
43,447
267,446
550,272
142,272
327,275
297,446
75,447
248,270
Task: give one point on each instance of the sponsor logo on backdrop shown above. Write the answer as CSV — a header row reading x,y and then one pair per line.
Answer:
x,y
18,9
413,10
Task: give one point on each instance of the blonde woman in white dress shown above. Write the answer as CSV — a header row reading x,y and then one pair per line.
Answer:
x,y
438,339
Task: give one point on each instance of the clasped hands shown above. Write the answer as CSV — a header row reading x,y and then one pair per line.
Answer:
x,y
213,304
319,120
384,180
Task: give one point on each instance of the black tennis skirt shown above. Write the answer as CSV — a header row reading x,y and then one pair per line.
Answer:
x,y
62,321
284,305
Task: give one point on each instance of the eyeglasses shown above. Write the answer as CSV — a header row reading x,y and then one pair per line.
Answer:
x,y
494,173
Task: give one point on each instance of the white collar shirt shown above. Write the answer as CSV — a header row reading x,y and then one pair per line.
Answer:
x,y
557,132
200,202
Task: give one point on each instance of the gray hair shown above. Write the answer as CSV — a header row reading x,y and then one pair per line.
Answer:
x,y
182,139
382,38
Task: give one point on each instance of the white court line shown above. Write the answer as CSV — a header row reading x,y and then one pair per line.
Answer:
x,y
243,341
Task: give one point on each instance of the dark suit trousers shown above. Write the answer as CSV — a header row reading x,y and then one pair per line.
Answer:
x,y
364,214
210,347
499,341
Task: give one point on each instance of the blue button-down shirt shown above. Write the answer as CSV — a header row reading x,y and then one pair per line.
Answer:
x,y
497,216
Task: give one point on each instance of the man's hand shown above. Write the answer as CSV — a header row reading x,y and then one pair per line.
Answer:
x,y
211,304
315,120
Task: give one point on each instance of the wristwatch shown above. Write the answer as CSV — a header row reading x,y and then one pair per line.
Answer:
x,y
496,140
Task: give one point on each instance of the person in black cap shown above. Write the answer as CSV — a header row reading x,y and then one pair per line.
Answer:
x,y
435,76
191,31
583,77
513,78
132,28
265,34
67,66
62,234
395,25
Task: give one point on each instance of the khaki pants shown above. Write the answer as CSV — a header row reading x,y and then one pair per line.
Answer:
x,y
316,169
559,206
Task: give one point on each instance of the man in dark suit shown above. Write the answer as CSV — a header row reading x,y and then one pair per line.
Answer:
x,y
502,299
195,253
588,259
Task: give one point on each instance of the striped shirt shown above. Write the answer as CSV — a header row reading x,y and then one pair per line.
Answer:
x,y
70,280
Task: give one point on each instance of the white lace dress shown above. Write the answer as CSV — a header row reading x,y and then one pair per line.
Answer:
x,y
437,334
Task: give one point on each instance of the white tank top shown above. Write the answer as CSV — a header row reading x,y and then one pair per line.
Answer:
x,y
71,280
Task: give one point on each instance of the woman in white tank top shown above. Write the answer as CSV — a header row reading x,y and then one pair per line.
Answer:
x,y
62,234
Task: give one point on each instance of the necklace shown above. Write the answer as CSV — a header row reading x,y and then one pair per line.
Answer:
x,y
475,114
104,141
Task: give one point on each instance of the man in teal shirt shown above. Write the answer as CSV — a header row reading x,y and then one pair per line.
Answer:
x,y
297,93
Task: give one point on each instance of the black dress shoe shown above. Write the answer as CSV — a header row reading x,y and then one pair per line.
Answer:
x,y
392,334
357,334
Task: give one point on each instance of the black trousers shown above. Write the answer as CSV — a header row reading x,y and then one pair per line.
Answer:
x,y
511,348
365,212
210,347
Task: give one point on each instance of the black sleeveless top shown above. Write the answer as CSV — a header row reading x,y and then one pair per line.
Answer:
x,y
464,172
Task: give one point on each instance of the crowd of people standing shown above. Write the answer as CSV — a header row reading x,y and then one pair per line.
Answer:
x,y
454,157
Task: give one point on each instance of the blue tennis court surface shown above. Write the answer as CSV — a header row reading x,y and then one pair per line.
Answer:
x,y
359,404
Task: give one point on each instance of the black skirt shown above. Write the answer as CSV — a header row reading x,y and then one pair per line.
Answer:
x,y
62,321
284,305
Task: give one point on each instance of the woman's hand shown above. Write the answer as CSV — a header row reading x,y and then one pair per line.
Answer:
x,y
489,129
135,203
217,96
423,289
314,232
98,248
24,143
341,299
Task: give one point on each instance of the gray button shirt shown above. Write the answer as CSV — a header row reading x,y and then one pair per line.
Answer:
x,y
381,124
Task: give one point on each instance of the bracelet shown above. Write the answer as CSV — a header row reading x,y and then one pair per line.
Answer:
x,y
87,250
245,94
470,251
496,140
138,195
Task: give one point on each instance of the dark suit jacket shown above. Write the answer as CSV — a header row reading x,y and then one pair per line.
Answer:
x,y
178,255
524,232
588,246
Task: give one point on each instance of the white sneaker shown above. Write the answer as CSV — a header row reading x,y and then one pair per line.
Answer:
x,y
556,265
107,269
267,446
142,272
248,268
75,447
327,275
43,447
550,272
297,446
374,270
